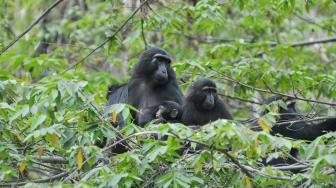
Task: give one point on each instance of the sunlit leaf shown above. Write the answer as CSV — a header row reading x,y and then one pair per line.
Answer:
x,y
23,166
80,158
263,125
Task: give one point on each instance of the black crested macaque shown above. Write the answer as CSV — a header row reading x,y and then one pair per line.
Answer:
x,y
153,81
166,111
298,130
202,104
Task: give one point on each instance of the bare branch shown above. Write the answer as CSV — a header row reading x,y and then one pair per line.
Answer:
x,y
31,26
108,39
240,99
291,167
268,91
51,159
305,120
58,176
307,43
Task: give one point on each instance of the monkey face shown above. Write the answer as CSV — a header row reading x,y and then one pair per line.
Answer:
x,y
166,113
203,93
161,64
210,98
169,110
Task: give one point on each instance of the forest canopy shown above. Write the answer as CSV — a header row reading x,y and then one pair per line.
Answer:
x,y
58,59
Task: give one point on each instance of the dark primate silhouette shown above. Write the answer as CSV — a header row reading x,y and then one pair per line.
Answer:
x,y
202,104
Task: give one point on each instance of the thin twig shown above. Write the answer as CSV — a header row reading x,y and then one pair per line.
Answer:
x,y
51,159
290,167
143,33
268,91
313,22
240,99
305,120
31,26
58,176
108,39
50,167
307,43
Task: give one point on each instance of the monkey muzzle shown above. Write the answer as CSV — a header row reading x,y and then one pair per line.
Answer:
x,y
161,74
209,102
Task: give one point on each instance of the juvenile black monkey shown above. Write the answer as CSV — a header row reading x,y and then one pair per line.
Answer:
x,y
202,104
167,111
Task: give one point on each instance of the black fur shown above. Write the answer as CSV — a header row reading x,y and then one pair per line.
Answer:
x,y
203,106
298,130
153,81
167,111
117,93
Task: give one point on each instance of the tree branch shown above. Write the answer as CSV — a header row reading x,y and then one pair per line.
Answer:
x,y
51,159
240,99
268,91
108,39
31,26
307,43
58,176
305,120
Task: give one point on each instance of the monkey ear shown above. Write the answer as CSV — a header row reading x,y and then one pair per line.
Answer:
x,y
173,113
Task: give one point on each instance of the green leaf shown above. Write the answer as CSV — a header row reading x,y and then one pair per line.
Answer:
x,y
38,121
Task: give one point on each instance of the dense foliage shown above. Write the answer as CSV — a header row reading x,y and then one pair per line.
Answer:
x,y
52,113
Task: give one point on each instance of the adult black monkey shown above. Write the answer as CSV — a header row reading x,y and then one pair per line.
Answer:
x,y
202,104
167,111
298,130
153,81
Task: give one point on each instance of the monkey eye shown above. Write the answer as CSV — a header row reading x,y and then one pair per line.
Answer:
x,y
162,57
